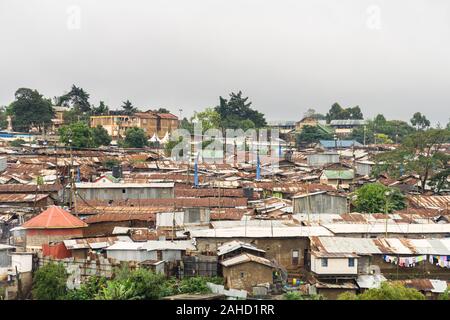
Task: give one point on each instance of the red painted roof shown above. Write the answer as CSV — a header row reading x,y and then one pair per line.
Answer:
x,y
54,218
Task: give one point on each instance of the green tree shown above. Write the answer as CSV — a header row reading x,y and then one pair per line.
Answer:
x,y
80,134
311,113
235,110
162,110
76,98
74,115
209,118
30,109
187,125
418,154
420,121
383,138
394,130
49,282
355,113
110,163
88,290
293,295
194,285
336,112
311,134
135,138
17,143
445,295
102,109
128,108
377,198
3,118
147,284
386,291
440,181
117,290
100,136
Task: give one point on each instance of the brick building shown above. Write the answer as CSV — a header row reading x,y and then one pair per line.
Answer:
x,y
151,122
54,224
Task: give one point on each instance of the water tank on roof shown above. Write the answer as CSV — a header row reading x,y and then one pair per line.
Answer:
x,y
117,172
248,192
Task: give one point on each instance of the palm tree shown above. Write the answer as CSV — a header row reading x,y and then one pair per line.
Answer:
x,y
128,108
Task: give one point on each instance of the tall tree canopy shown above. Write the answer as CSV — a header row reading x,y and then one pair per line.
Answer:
x,y
377,198
336,112
311,134
418,154
387,291
420,121
3,118
100,136
102,109
49,282
162,110
209,118
76,98
236,110
135,138
83,136
128,108
80,134
395,130
30,109
311,113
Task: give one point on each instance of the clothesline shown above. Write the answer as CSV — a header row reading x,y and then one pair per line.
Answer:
x,y
408,262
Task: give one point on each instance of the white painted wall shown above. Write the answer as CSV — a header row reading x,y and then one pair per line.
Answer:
x,y
335,266
24,262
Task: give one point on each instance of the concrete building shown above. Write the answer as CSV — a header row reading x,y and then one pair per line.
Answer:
x,y
151,122
334,264
54,224
123,191
168,251
345,127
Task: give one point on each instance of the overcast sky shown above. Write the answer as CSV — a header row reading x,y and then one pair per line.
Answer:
x,y
388,56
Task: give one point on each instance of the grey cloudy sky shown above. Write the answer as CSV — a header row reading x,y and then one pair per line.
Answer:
x,y
388,56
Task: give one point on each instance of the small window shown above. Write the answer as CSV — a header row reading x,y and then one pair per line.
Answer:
x,y
242,274
294,257
324,262
124,191
351,262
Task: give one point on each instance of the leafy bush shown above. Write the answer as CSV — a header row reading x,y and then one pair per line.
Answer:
x,y
387,291
17,143
371,198
49,282
88,290
292,295
117,290
445,295
194,285
110,163
147,284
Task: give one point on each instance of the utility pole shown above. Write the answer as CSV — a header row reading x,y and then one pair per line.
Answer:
x,y
72,180
364,130
387,194
19,285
